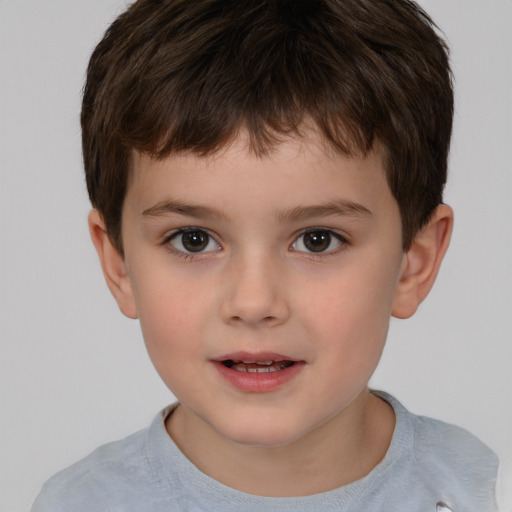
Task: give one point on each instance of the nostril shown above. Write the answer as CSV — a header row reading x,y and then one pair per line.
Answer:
x,y
253,305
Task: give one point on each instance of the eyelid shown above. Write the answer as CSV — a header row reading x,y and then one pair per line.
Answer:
x,y
185,229
341,239
185,253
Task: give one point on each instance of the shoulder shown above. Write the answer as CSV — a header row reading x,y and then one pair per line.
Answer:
x,y
452,446
447,447
84,483
436,462
454,463
113,473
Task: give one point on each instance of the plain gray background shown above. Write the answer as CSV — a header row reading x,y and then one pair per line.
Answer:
x,y
74,372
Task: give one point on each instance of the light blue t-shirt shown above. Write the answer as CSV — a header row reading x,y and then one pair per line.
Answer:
x,y
430,466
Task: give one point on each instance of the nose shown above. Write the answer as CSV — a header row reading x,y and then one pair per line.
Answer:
x,y
255,293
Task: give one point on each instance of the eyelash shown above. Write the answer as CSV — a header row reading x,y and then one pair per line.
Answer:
x,y
333,235
191,254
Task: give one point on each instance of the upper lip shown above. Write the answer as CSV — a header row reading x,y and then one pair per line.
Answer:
x,y
254,357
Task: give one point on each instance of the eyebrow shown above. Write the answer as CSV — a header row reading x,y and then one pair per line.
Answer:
x,y
181,208
339,207
299,213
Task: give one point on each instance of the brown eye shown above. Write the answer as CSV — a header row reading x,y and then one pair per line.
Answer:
x,y
193,240
318,241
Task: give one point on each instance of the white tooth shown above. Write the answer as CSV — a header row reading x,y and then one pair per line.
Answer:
x,y
264,369
266,363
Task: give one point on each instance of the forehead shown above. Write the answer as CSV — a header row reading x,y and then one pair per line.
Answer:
x,y
297,170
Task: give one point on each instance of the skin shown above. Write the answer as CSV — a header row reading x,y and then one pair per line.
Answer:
x,y
257,287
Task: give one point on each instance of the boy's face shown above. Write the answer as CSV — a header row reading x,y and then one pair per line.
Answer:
x,y
290,260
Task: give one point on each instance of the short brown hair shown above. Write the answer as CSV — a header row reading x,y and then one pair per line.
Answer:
x,y
189,75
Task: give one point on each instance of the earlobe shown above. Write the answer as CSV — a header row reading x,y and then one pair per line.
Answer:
x,y
422,262
113,265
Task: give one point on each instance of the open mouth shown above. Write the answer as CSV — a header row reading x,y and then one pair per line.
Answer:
x,y
258,373
257,367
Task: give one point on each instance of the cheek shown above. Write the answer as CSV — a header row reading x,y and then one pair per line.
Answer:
x,y
173,318
352,328
351,312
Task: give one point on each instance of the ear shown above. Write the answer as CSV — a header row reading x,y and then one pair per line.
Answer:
x,y
113,265
422,261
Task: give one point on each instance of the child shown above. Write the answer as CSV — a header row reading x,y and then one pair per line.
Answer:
x,y
267,178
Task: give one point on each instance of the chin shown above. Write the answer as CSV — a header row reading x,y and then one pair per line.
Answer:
x,y
263,440
262,433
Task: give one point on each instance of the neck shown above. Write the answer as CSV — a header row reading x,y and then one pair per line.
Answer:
x,y
343,450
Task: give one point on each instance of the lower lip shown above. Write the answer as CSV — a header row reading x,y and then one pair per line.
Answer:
x,y
258,382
